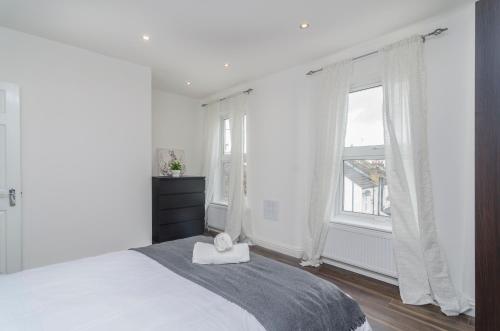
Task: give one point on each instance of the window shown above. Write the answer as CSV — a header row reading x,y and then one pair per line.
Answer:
x,y
364,118
365,189
226,158
245,154
364,185
227,136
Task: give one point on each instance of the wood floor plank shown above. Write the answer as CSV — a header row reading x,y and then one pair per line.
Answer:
x,y
381,301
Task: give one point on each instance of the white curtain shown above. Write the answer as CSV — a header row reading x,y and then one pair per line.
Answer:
x,y
237,218
211,164
422,269
330,120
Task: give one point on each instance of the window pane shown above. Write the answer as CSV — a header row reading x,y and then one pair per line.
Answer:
x,y
365,187
364,118
227,136
226,161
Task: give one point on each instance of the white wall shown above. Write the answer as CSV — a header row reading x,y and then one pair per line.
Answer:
x,y
178,123
279,142
451,84
86,142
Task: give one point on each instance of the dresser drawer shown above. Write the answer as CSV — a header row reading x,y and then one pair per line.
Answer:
x,y
188,185
181,200
178,215
180,230
178,207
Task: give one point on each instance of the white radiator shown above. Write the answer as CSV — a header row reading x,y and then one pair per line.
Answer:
x,y
216,216
363,248
358,249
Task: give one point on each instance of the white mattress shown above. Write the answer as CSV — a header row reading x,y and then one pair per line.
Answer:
x,y
118,291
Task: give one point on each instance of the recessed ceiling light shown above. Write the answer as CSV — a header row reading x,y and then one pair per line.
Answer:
x,y
226,65
188,83
304,25
146,37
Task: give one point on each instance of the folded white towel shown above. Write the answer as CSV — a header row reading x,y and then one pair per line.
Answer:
x,y
223,242
204,253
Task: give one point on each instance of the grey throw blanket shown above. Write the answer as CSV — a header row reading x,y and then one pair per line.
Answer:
x,y
281,297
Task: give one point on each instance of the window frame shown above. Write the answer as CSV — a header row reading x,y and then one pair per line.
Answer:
x,y
372,152
223,134
244,151
226,157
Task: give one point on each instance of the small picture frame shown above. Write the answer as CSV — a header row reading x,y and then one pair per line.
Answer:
x,y
165,156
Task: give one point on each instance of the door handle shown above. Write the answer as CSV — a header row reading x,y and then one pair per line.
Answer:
x,y
12,197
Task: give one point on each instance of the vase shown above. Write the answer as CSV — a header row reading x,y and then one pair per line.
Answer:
x,y
176,173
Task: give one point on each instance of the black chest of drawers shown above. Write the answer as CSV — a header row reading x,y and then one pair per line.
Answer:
x,y
178,207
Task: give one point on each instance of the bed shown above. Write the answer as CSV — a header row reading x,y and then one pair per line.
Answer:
x,y
158,288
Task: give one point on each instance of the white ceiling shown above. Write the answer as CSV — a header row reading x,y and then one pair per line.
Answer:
x,y
192,39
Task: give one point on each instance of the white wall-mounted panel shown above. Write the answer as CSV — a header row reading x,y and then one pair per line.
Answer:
x,y
216,216
364,248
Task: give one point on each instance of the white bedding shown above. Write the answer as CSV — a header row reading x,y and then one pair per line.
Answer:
x,y
118,291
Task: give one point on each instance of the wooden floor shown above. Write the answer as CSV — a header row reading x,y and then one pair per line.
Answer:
x,y
380,301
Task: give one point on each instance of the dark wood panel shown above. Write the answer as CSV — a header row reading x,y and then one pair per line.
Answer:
x,y
155,192
177,186
177,215
181,200
180,230
178,207
488,165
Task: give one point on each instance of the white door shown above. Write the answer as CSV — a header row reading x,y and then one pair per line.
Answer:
x,y
10,180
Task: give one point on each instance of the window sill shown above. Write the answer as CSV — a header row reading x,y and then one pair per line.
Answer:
x,y
364,222
219,204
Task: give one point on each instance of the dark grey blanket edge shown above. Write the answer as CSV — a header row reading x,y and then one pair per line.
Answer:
x,y
262,286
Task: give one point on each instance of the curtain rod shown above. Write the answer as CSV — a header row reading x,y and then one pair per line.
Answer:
x,y
436,32
250,90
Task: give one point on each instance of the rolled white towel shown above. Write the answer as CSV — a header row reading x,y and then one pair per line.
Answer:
x,y
204,253
223,242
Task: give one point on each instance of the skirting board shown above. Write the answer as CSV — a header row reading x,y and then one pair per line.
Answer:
x,y
280,248
387,279
283,249
364,272
297,253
